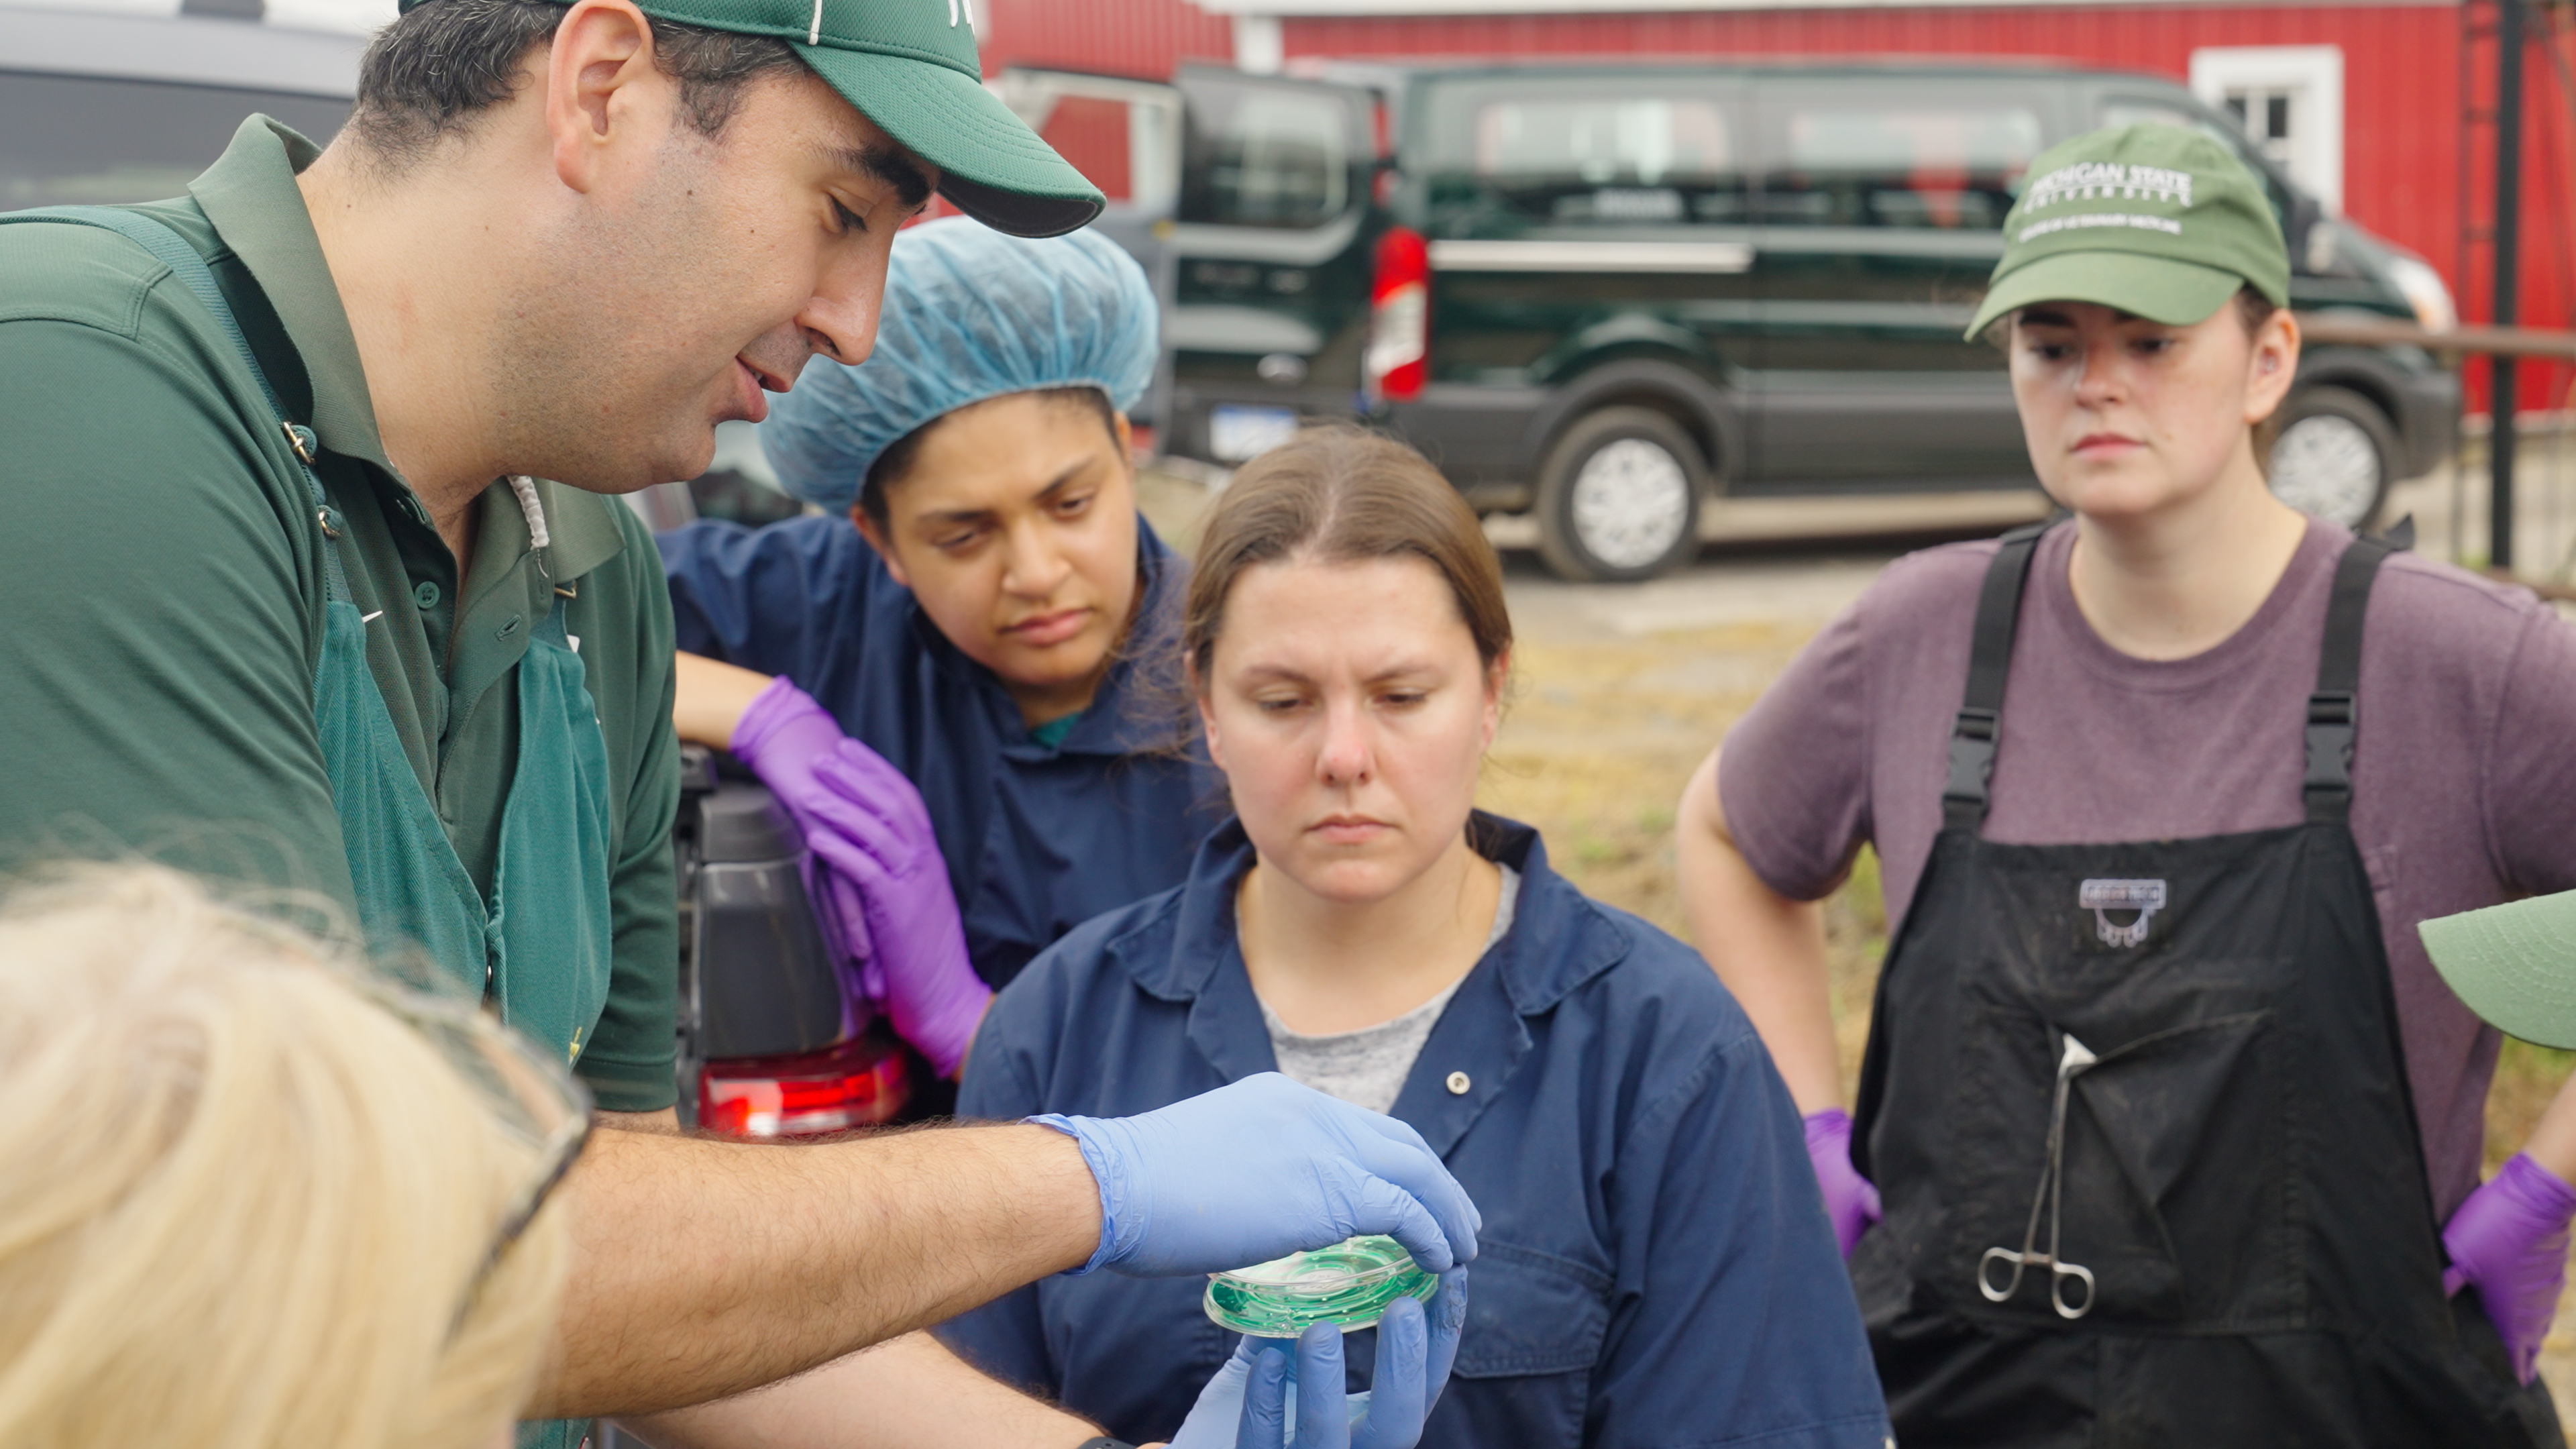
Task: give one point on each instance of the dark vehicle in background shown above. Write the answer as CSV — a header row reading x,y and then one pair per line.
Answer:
x,y
1605,293
101,108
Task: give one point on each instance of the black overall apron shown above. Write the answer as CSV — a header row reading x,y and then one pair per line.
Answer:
x,y
2139,1117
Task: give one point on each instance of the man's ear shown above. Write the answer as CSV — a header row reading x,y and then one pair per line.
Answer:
x,y
602,88
877,540
1126,436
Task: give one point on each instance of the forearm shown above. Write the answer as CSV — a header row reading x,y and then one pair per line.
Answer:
x,y
707,1268
709,697
906,1393
1767,948
2553,1138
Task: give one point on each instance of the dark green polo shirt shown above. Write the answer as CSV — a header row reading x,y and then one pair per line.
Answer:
x,y
162,589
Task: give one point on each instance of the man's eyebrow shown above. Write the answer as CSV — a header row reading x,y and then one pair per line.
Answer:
x,y
889,164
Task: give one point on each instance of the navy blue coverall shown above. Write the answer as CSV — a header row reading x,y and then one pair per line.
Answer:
x,y
1656,1268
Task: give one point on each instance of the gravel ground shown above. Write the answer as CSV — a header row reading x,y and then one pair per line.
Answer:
x,y
1620,691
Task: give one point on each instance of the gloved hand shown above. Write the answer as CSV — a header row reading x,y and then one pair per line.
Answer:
x,y
1850,1201
874,871
1252,1401
2510,1239
1261,1169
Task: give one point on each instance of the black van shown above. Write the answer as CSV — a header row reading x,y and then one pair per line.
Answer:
x,y
1604,292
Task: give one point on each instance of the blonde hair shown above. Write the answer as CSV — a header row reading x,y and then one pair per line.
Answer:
x,y
242,1204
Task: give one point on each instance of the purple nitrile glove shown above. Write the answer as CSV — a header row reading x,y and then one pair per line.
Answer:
x,y
1850,1201
2510,1240
875,873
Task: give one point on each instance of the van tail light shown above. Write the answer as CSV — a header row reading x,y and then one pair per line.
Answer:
x,y
1400,316
856,1084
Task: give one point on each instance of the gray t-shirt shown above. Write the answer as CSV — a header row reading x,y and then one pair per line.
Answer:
x,y
2464,779
1367,1067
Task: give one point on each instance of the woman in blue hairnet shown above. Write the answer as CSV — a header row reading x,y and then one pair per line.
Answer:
x,y
940,694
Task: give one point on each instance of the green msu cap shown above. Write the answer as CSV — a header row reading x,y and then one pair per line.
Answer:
x,y
2159,221
910,66
2514,964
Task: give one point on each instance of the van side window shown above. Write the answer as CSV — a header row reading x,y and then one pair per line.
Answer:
x,y
1266,155
1588,152
1939,165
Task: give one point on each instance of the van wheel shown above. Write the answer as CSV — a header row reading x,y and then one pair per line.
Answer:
x,y
2333,456
1618,498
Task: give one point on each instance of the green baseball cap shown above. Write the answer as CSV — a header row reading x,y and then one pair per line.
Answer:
x,y
2160,221
2514,964
910,66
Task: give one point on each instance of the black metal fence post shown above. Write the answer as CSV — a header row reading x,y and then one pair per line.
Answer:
x,y
2508,257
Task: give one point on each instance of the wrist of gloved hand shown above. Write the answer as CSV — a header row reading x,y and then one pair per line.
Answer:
x,y
784,730
1851,1201
2509,1240
1259,1169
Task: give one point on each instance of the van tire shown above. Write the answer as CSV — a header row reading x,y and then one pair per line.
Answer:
x,y
1619,497
2333,456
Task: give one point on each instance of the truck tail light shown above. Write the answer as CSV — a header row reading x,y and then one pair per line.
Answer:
x,y
1400,316
856,1084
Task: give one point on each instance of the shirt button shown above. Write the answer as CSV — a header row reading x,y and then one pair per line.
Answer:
x,y
1458,1084
425,594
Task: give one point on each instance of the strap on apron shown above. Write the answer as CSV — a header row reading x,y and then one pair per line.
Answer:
x,y
2332,715
1990,647
172,250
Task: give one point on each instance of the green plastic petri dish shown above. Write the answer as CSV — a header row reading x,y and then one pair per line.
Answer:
x,y
1350,1284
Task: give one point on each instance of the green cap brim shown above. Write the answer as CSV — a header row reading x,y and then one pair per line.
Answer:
x,y
2514,965
2159,289
992,166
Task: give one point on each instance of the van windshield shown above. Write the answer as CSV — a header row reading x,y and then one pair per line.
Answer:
x,y
1600,150
70,139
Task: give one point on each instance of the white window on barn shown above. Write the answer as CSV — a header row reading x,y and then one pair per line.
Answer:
x,y
2288,99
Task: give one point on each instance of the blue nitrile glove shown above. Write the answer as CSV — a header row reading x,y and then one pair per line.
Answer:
x,y
873,870
1261,1169
1252,1400
2509,1239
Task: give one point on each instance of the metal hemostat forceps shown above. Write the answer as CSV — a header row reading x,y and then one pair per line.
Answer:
x,y
2051,1197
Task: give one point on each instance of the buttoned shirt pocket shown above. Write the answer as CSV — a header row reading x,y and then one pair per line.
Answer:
x,y
1535,1325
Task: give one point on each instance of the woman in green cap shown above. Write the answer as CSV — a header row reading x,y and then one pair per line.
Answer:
x,y
2176,1131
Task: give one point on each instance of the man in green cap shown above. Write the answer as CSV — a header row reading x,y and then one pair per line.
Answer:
x,y
2167,1131
308,583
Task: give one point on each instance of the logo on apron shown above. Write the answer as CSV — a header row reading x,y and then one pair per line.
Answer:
x,y
2102,897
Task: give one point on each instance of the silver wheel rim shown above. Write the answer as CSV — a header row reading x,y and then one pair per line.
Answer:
x,y
1632,502
2327,466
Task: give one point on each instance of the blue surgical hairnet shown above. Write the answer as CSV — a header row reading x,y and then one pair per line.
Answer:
x,y
969,314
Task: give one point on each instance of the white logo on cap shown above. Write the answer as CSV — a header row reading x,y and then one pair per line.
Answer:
x,y
2164,224
2108,180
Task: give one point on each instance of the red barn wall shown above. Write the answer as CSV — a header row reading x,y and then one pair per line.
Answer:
x,y
1144,38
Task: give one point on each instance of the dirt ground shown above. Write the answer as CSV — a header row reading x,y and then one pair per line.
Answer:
x,y
1620,691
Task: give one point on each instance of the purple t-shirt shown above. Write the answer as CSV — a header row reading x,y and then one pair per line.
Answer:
x,y
2464,779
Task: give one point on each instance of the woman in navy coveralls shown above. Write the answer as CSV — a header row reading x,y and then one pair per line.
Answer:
x,y
1656,1268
